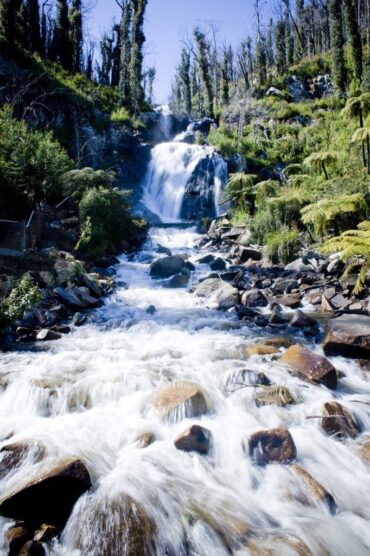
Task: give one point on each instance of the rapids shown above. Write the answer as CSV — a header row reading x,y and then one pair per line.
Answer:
x,y
89,395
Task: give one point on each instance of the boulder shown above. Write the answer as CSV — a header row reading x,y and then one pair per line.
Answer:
x,y
17,536
194,439
274,395
278,341
181,400
272,446
48,496
206,259
306,364
46,335
226,297
291,301
70,297
314,488
178,281
13,455
301,320
276,318
348,335
151,310
338,421
32,548
246,377
260,349
246,253
79,319
217,264
254,298
167,266
276,545
209,286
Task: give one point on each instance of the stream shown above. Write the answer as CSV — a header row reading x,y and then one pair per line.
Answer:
x,y
90,395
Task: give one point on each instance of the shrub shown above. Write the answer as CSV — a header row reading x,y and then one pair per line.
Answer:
x,y
77,182
23,297
121,116
282,246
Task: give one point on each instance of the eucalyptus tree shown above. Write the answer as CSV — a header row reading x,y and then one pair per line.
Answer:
x,y
136,55
337,44
204,69
125,54
185,78
354,36
76,34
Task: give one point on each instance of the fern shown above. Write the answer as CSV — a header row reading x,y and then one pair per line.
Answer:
x,y
318,161
324,212
353,247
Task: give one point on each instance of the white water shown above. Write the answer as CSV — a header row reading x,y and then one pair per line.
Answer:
x,y
89,395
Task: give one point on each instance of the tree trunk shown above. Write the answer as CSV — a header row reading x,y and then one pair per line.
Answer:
x,y
362,144
325,172
368,154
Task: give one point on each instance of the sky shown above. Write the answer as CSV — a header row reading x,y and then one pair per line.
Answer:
x,y
168,21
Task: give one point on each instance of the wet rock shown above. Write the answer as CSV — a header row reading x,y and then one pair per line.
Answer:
x,y
194,439
260,320
285,285
276,318
291,301
49,495
164,250
167,266
79,319
151,310
326,306
92,283
218,264
301,320
278,341
70,297
46,533
276,545
365,449
178,281
87,299
46,335
32,548
246,377
272,446
310,366
246,253
246,312
181,400
254,298
17,536
226,297
316,490
209,286
274,395
260,349
338,421
145,439
348,335
207,259
13,455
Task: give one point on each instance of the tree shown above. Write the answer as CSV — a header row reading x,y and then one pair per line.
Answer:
x,y
9,10
225,79
300,42
125,53
337,43
106,51
116,56
362,136
280,47
33,26
289,44
318,161
261,60
354,37
150,76
136,57
366,80
204,69
358,107
184,75
327,212
62,35
76,35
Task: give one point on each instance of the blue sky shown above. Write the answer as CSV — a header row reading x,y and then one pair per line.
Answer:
x,y
167,21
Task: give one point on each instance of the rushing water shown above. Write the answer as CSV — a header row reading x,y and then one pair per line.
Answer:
x,y
89,395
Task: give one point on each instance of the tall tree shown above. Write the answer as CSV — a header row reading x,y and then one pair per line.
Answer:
x,y
204,69
337,44
300,39
125,53
62,35
9,10
243,64
33,26
289,44
354,36
366,80
106,53
116,56
151,73
76,35
280,47
136,58
270,45
225,79
184,74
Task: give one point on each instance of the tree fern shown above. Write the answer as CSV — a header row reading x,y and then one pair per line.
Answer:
x,y
354,248
318,161
326,211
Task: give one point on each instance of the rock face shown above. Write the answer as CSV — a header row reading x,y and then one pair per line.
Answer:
x,y
181,400
194,439
167,266
338,421
48,497
200,192
272,446
310,366
348,335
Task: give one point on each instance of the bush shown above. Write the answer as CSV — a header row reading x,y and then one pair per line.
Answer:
x,y
121,116
77,182
23,297
282,246
106,221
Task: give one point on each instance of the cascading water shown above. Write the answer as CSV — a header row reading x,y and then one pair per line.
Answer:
x,y
173,165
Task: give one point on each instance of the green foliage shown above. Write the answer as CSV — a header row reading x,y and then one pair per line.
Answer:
x,y
105,221
318,161
121,116
32,164
77,182
240,189
23,297
328,211
283,245
354,249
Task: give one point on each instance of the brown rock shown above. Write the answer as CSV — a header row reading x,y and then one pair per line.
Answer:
x,y
326,306
260,349
274,395
365,449
277,545
348,335
49,496
13,455
278,342
146,439
46,533
194,439
338,421
291,301
17,537
32,548
315,488
310,366
272,446
181,400
254,298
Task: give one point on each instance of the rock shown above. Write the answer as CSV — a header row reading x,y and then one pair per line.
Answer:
x,y
291,301
13,455
276,318
47,278
17,536
164,250
298,266
309,365
194,439
119,527
218,264
276,545
246,312
336,266
93,284
274,395
181,400
178,281
260,320
365,449
301,320
49,496
226,297
46,533
87,299
46,335
145,439
348,335
79,319
338,421
278,342
32,548
339,302
207,259
285,285
167,266
254,298
151,310
248,253
208,287
326,306
314,487
70,297
246,377
274,92
260,349
272,446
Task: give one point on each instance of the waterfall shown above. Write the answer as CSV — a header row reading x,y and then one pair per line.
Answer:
x,y
176,169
